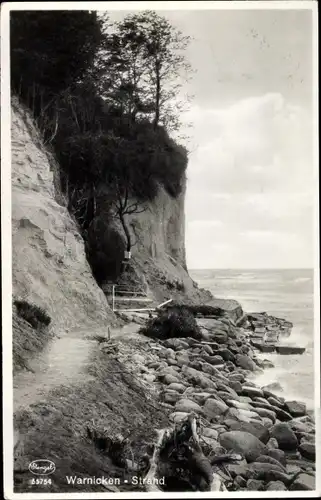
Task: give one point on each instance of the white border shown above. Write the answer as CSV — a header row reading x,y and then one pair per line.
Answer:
x,y
6,255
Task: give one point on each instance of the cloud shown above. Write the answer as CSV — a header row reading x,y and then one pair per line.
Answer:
x,y
252,169
205,224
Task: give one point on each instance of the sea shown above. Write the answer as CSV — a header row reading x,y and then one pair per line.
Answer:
x,y
288,294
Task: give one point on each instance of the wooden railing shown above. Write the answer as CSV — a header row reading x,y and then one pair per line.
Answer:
x,y
130,294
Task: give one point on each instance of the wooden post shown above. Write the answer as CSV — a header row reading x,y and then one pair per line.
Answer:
x,y
113,298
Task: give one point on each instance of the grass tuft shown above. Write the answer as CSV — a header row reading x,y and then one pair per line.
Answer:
x,y
33,314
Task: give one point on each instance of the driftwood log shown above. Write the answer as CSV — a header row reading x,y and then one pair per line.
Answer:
x,y
175,462
178,457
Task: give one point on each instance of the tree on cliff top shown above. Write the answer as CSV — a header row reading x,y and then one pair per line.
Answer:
x,y
143,68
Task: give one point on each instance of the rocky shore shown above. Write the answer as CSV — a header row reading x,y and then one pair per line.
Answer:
x,y
213,379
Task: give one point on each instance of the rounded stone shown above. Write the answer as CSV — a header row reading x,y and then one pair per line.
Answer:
x,y
285,436
242,442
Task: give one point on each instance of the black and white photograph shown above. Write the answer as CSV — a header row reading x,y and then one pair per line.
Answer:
x,y
159,186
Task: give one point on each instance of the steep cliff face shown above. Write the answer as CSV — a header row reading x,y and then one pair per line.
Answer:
x,y
49,263
160,230
160,249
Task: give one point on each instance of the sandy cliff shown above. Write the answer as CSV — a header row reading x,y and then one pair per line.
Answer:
x,y
49,263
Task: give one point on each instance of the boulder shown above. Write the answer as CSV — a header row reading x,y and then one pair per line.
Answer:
x,y
177,387
287,349
255,428
258,399
269,472
293,469
214,408
197,377
299,426
263,412
285,436
251,392
208,368
170,379
242,442
251,414
171,397
222,386
295,408
208,349
235,414
188,406
182,360
237,469
176,344
238,404
275,402
303,482
200,397
237,377
254,485
278,455
307,450
236,386
280,414
213,360
226,354
245,362
225,396
270,460
276,486
170,353
239,482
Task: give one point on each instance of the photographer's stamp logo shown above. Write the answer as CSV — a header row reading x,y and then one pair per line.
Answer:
x,y
42,467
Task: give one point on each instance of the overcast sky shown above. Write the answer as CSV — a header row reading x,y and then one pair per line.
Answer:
x,y
250,175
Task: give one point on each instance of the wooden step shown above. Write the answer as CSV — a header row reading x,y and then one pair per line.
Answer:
x,y
132,299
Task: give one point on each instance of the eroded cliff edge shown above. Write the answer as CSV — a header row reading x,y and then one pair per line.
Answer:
x,y
49,262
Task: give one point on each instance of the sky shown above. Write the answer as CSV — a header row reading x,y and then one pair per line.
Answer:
x,y
249,199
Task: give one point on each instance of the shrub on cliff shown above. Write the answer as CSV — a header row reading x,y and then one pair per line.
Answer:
x,y
173,322
33,314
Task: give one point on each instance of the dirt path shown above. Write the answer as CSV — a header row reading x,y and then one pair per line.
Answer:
x,y
62,363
